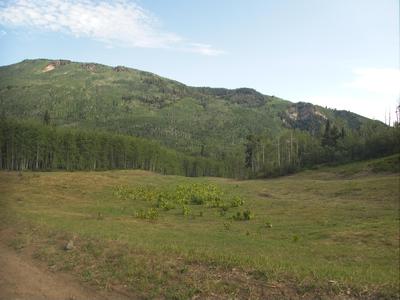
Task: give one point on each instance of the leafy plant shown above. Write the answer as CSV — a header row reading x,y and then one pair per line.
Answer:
x,y
149,214
185,210
243,216
237,201
184,195
122,192
247,215
165,201
223,209
141,193
267,224
144,193
227,225
199,194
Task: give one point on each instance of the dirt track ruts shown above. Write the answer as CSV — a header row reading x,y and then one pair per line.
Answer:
x,y
22,278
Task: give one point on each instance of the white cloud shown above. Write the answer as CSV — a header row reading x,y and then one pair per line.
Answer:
x,y
116,23
373,92
204,49
385,81
368,107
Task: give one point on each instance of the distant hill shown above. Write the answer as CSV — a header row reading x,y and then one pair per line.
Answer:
x,y
196,120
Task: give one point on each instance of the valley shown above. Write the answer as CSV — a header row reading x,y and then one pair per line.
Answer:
x,y
330,232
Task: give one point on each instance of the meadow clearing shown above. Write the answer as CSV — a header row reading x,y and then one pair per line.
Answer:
x,y
324,233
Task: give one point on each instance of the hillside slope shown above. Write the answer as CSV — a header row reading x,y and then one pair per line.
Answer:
x,y
199,121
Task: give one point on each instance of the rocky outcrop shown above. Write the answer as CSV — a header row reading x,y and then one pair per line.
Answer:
x,y
120,69
302,111
89,67
304,116
56,63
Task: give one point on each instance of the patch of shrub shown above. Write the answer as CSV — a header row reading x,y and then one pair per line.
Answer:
x,y
243,216
215,203
198,194
237,201
227,225
143,193
86,275
223,209
207,195
267,224
165,201
121,192
247,215
185,210
196,200
149,214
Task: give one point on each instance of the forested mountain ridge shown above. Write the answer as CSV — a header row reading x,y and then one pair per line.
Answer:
x,y
125,100
241,127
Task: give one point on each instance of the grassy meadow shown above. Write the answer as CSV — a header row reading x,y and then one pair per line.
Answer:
x,y
329,232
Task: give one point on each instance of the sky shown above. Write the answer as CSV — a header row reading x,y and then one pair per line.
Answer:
x,y
342,54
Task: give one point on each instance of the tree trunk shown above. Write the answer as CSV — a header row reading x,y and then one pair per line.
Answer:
x,y
37,156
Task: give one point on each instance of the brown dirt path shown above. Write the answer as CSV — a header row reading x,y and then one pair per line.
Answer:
x,y
21,278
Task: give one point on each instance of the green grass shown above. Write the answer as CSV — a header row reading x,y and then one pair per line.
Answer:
x,y
315,233
388,165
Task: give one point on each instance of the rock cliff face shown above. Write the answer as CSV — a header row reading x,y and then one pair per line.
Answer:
x,y
56,63
304,116
120,69
89,67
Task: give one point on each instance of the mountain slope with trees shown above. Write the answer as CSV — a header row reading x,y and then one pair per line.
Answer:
x,y
251,134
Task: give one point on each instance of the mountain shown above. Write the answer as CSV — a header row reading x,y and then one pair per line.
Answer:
x,y
196,120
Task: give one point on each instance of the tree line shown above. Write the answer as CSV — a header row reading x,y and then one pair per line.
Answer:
x,y
293,150
30,145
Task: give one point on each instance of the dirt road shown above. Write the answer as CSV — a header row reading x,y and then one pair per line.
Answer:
x,y
22,278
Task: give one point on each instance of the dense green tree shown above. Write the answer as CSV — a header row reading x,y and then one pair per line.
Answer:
x,y
30,145
46,117
250,152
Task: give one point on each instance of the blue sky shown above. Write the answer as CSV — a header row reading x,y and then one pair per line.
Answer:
x,y
342,54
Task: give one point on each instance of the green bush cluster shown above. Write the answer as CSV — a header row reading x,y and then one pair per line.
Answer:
x,y
149,214
199,194
122,192
243,216
165,201
186,210
237,201
267,224
184,195
143,193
